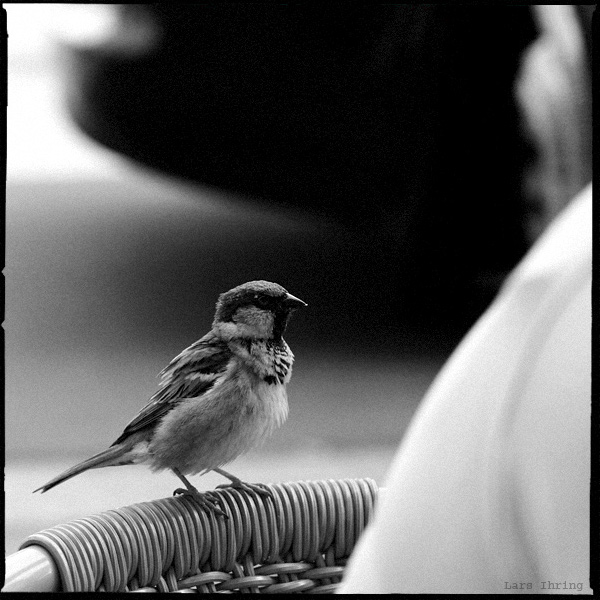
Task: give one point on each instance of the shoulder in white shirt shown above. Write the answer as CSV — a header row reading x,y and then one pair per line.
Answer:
x,y
489,491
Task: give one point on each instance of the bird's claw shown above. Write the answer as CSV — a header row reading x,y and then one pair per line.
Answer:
x,y
206,500
259,488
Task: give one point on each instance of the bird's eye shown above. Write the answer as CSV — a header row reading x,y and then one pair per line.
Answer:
x,y
262,302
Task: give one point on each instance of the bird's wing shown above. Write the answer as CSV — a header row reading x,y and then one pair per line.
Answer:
x,y
188,375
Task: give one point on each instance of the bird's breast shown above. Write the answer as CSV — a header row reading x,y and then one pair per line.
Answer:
x,y
236,415
260,400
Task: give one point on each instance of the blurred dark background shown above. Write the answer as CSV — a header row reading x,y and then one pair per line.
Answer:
x,y
399,122
374,160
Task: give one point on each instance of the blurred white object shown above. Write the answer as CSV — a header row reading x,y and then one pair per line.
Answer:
x,y
123,28
43,144
489,491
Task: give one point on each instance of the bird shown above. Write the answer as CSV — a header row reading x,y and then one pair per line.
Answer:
x,y
217,399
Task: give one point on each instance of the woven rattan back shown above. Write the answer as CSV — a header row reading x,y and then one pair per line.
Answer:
x,y
295,542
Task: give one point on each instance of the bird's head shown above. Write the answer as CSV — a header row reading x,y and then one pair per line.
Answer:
x,y
254,310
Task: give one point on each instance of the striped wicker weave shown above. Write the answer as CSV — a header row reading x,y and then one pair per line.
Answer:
x,y
296,542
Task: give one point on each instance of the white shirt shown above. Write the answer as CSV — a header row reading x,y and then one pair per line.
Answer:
x,y
489,490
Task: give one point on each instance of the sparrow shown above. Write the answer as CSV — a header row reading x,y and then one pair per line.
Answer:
x,y
219,398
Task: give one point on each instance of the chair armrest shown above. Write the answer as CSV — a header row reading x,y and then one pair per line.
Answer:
x,y
31,570
296,540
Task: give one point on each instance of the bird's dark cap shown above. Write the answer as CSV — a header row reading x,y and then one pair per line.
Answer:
x,y
250,293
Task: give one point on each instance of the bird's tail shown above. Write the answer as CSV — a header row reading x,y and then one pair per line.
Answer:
x,y
115,455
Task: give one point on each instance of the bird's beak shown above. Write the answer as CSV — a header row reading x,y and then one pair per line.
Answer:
x,y
292,302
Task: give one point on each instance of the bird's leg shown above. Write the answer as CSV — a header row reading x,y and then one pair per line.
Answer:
x,y
238,484
205,500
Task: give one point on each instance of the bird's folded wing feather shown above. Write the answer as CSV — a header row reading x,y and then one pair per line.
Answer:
x,y
188,375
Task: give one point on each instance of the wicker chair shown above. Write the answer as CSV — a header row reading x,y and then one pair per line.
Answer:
x,y
295,542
